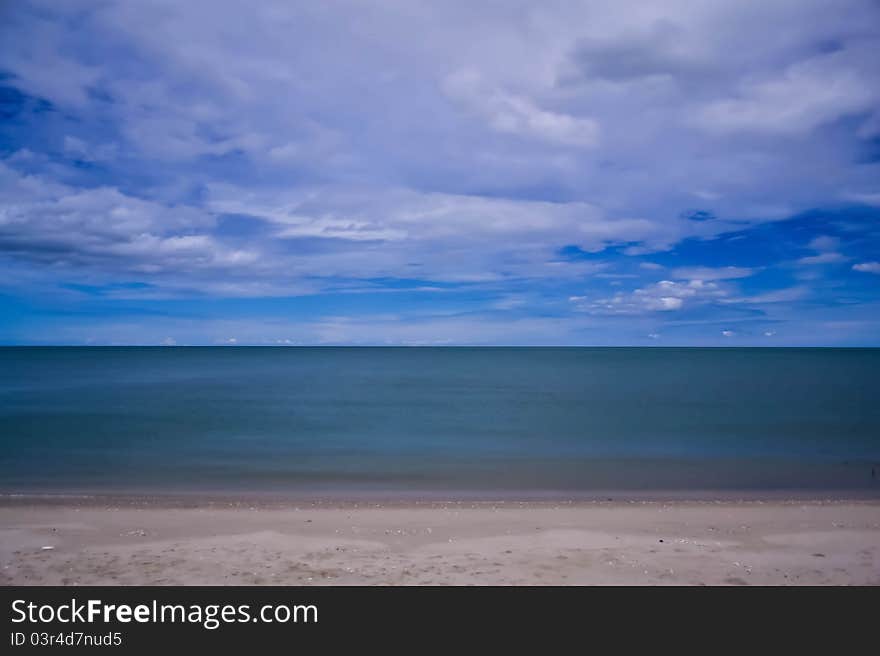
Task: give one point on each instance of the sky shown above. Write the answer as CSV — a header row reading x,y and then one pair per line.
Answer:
x,y
605,172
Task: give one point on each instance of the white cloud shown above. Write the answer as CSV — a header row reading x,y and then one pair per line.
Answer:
x,y
823,258
805,96
710,273
48,220
785,295
457,141
867,267
825,246
664,296
507,112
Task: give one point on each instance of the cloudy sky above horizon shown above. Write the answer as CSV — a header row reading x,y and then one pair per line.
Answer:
x,y
585,173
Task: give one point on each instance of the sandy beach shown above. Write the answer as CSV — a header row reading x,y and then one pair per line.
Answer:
x,y
131,541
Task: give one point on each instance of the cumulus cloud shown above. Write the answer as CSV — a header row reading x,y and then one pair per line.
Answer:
x,y
867,267
58,224
663,296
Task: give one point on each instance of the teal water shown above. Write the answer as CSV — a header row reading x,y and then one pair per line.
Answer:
x,y
486,422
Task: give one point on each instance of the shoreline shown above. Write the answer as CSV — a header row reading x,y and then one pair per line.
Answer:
x,y
103,540
348,499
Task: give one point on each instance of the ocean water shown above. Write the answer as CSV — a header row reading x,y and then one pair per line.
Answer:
x,y
444,422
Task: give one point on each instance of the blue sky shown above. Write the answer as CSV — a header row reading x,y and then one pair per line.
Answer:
x,y
595,173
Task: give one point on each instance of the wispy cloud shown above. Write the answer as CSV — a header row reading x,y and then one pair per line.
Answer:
x,y
826,251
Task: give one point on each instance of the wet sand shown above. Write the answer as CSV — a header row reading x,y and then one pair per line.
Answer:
x,y
147,541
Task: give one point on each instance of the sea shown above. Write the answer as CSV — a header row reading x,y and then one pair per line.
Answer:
x,y
441,423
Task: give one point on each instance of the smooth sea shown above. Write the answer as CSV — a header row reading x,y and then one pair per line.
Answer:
x,y
440,422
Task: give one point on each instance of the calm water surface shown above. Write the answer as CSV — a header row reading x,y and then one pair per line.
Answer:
x,y
446,421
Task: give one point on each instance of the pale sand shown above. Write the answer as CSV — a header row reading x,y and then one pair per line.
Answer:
x,y
738,543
